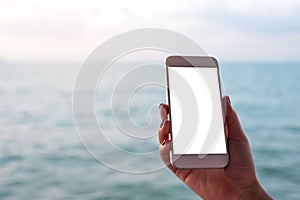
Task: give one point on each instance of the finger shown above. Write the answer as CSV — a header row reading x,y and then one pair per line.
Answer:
x,y
164,111
164,130
224,104
164,152
232,122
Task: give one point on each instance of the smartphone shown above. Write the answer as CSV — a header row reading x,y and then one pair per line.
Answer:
x,y
196,112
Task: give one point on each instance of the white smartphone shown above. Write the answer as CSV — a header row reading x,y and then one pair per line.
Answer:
x,y
196,112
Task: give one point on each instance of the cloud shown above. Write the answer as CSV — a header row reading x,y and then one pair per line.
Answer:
x,y
70,29
40,21
262,19
258,17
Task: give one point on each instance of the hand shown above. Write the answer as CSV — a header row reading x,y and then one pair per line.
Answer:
x,y
236,181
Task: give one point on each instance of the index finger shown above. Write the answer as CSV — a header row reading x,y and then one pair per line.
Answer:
x,y
164,111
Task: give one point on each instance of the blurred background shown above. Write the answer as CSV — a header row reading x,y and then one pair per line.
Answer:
x,y
44,43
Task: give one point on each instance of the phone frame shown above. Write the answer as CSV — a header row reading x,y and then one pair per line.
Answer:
x,y
188,161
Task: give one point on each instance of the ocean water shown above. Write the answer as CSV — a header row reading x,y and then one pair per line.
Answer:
x,y
42,156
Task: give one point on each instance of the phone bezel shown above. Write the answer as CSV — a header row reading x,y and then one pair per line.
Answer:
x,y
185,161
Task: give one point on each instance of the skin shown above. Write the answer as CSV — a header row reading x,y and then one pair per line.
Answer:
x,y
236,181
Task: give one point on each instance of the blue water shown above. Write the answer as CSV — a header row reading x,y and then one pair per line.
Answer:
x,y
41,156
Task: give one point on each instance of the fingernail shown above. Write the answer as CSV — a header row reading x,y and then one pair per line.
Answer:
x,y
163,143
229,99
160,105
162,123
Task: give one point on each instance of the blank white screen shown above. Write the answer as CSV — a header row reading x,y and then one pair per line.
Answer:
x,y
202,81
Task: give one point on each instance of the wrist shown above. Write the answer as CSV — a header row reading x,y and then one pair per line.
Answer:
x,y
254,191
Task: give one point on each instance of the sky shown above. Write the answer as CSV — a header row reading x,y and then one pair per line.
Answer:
x,y
69,30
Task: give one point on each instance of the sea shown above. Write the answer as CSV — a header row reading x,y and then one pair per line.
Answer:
x,y
49,151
